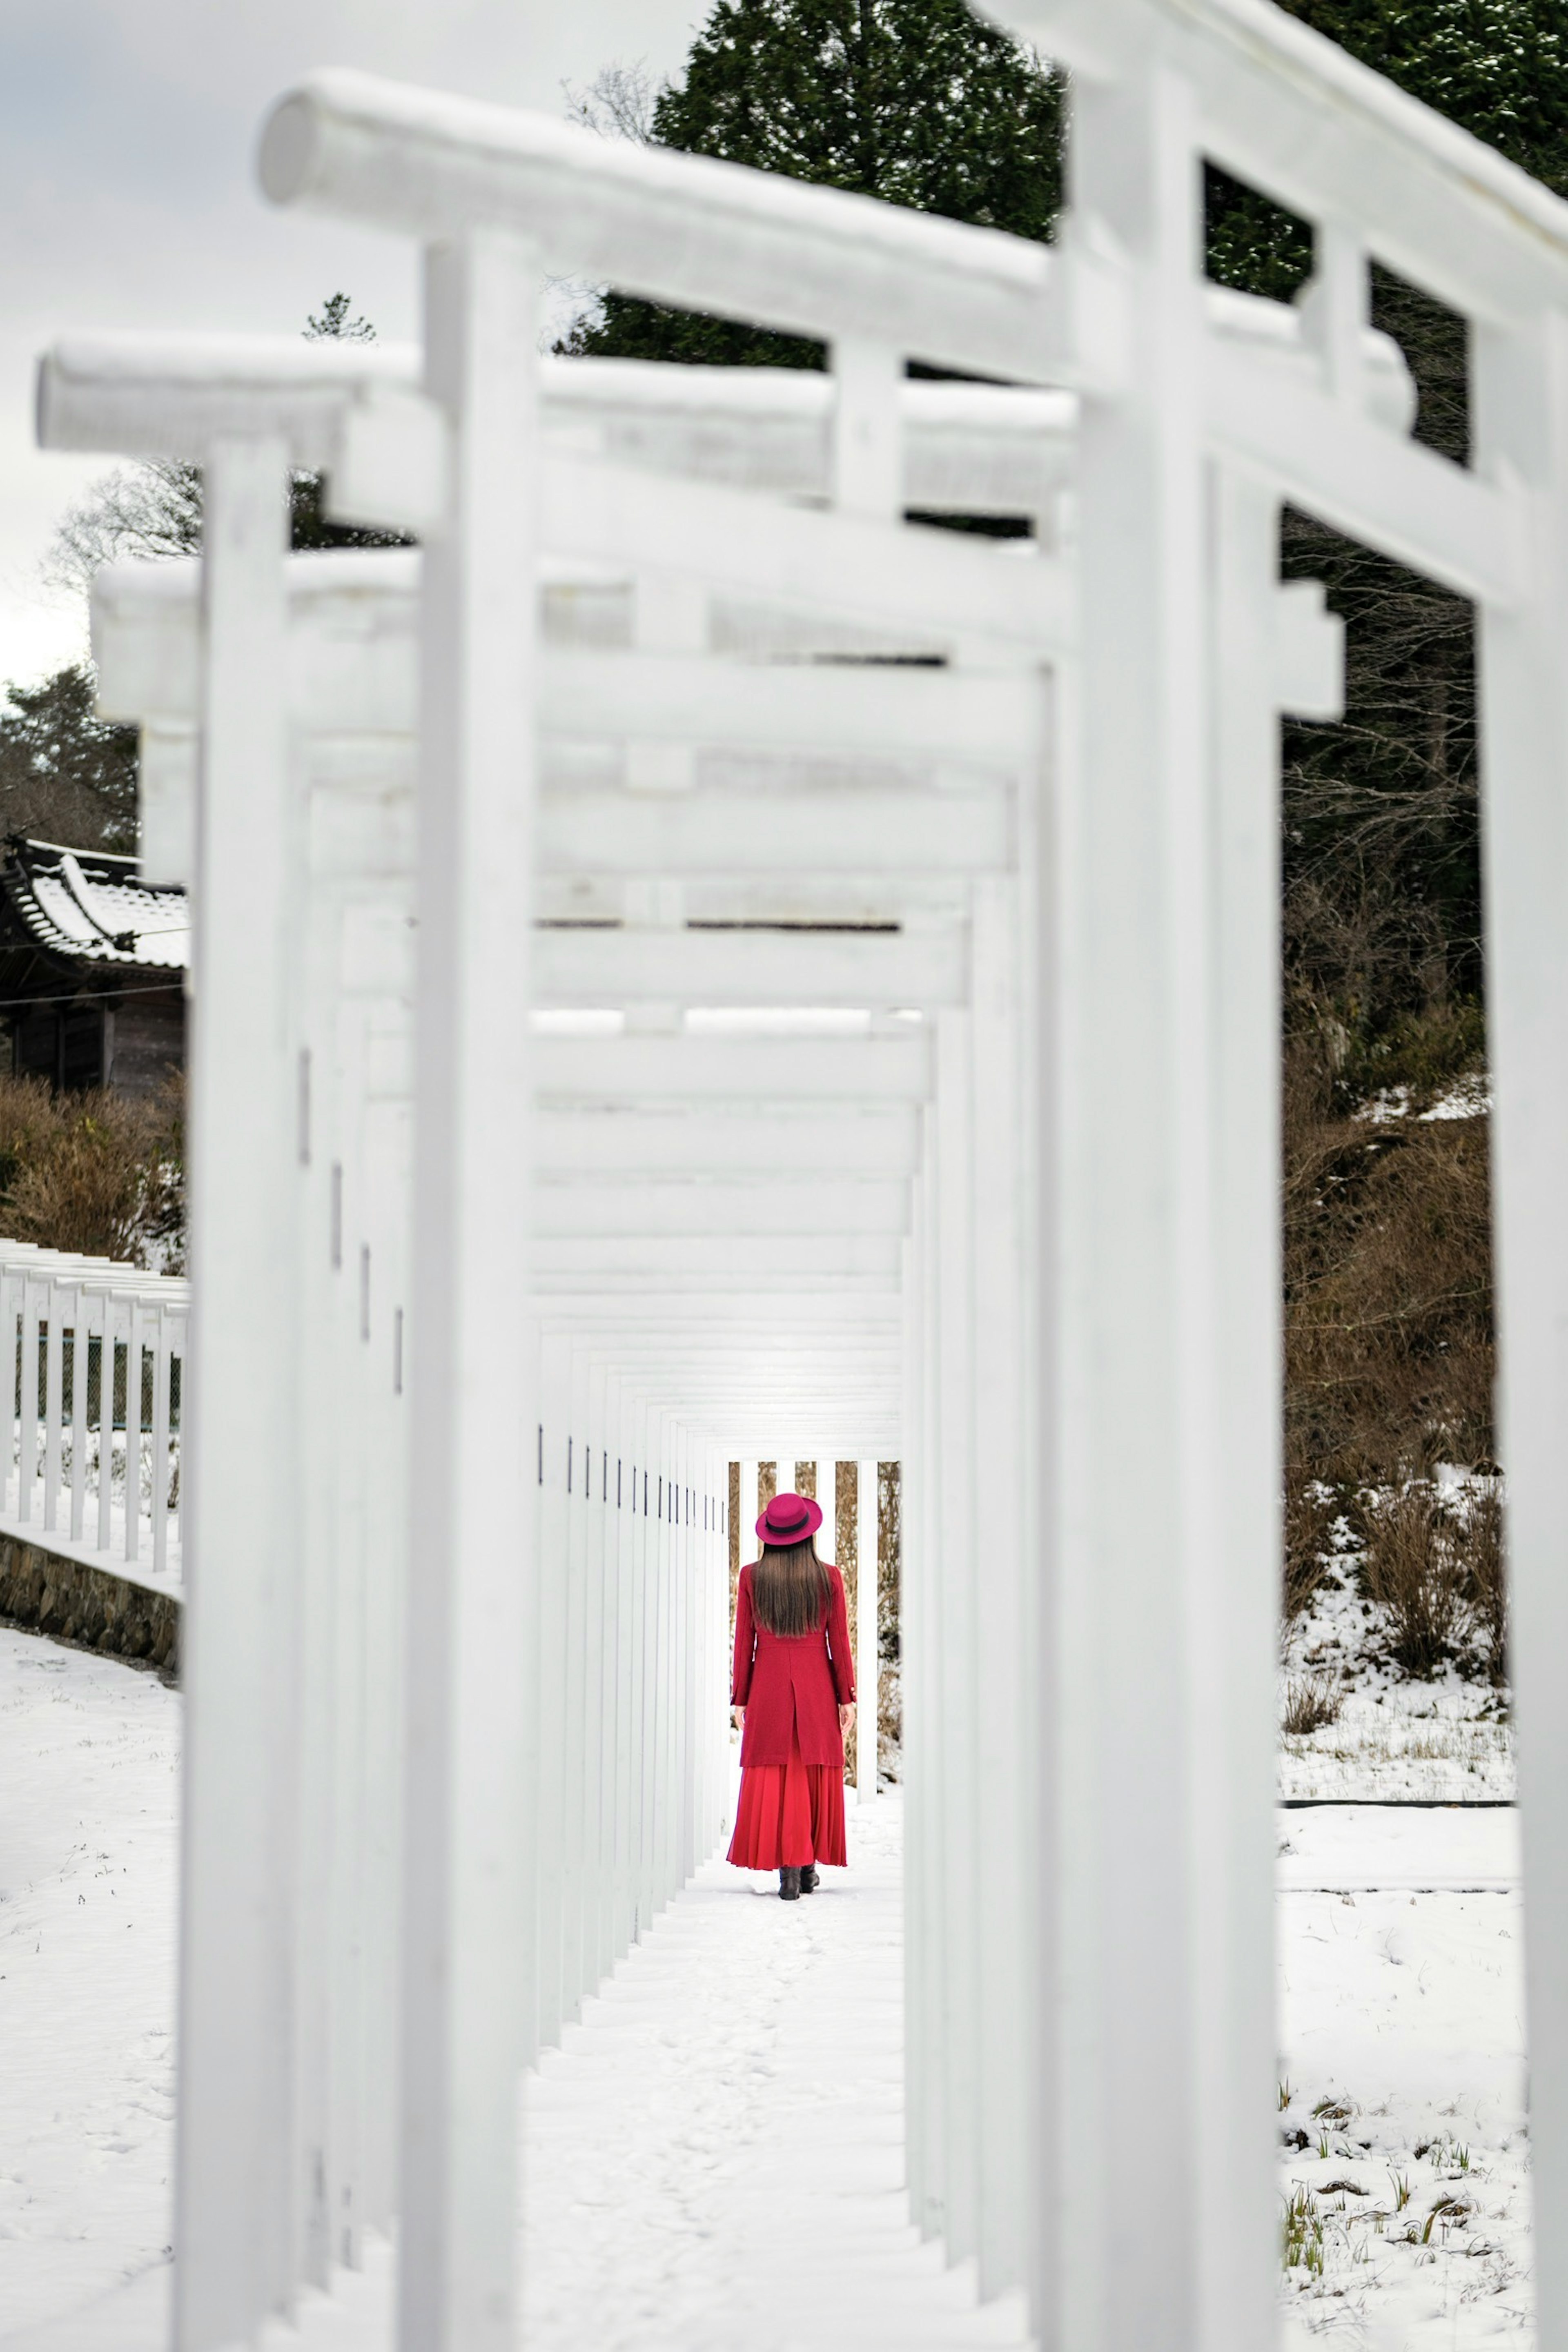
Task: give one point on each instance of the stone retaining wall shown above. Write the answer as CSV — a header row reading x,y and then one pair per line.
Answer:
x,y
87,1606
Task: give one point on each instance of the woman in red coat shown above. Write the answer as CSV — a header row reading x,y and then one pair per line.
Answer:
x,y
794,1694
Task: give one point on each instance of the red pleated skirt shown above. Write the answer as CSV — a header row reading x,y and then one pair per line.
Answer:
x,y
789,1815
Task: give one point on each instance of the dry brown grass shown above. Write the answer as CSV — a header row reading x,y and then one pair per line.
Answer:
x,y
1387,1230
1311,1703
1416,1576
94,1173
1389,1350
1481,1545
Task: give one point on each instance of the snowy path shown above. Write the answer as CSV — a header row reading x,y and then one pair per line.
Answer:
x,y
713,2158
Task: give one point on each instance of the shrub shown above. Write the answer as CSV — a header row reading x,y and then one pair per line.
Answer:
x,y
97,1173
1387,1243
1311,1703
1415,1576
1486,1576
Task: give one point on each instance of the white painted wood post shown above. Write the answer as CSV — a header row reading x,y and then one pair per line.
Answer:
x,y
572,1673
106,1428
54,1407
236,2257
626,1669
386,1543
683,1461
160,1445
598,1956
466,1866
27,1458
924,1910
1521,429
1133,1387
320,1659
750,1512
1012,1974
549,1701
645,1742
954,1632
133,1356
825,1478
867,1669
669,1828
80,1347
343,1780
1236,1576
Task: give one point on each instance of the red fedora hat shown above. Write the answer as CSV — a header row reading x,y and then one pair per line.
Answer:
x,y
789,1519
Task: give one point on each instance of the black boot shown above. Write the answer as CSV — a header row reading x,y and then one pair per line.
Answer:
x,y
808,1879
789,1885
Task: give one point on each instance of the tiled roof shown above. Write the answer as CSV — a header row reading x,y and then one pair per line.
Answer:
x,y
94,907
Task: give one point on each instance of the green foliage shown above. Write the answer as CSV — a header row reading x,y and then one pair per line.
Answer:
x,y
1383,838
332,323
65,774
1390,1345
915,101
1302,2234
1499,68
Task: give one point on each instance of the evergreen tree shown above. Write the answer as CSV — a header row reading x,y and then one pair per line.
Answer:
x,y
915,101
332,323
1388,1275
1388,1271
1381,834
1499,67
66,775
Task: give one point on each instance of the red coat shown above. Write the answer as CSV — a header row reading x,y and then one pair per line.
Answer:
x,y
807,1677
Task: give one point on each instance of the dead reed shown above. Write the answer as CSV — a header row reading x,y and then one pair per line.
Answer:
x,y
1416,1576
1311,1702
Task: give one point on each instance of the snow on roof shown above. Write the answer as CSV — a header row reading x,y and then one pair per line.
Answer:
x,y
89,905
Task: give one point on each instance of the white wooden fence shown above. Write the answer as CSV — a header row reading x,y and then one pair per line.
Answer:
x,y
728,971
90,1464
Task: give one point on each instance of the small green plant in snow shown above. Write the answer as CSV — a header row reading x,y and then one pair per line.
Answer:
x,y
1302,2233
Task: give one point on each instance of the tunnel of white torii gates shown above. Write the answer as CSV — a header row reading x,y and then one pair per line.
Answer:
x,y
697,963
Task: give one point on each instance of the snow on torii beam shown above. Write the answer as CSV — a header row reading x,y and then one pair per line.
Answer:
x,y
698,232
681,229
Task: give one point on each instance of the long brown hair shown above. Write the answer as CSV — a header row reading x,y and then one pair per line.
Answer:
x,y
791,1588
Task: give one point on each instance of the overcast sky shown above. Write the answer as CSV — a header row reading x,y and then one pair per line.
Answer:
x,y
127,132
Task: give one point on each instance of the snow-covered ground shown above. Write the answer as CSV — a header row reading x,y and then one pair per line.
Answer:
x,y
89,1766
1401,2038
714,2158
1447,1741
734,2091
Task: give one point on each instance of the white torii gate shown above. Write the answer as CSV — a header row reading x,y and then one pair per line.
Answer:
x,y
1054,1292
